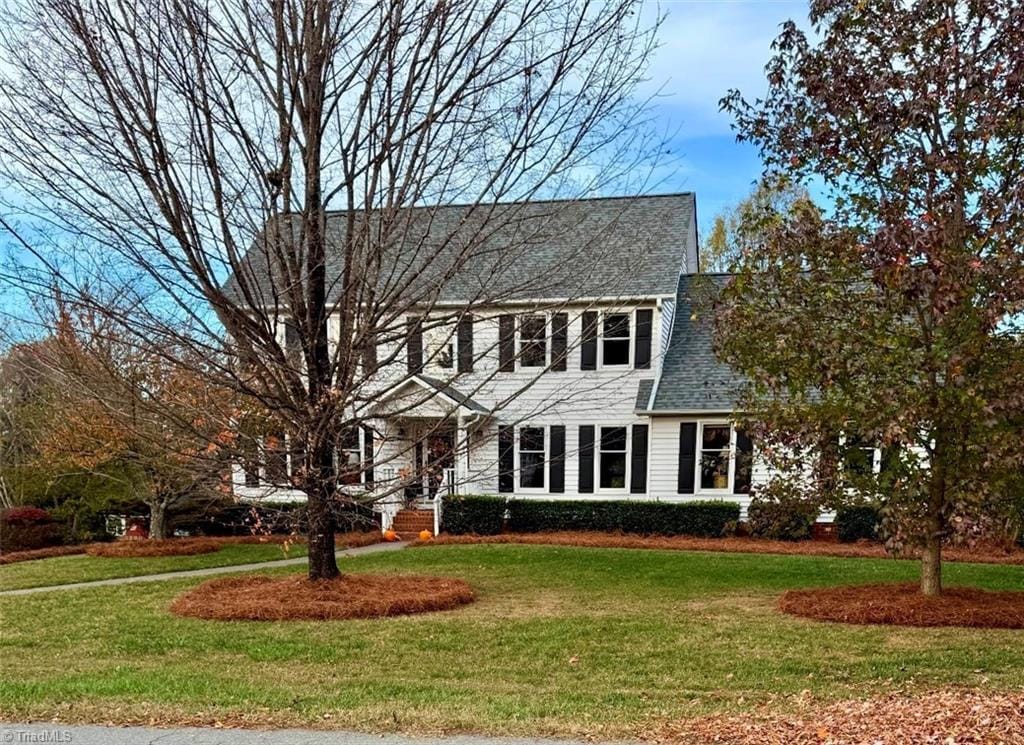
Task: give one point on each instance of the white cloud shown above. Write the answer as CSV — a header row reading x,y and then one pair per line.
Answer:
x,y
710,46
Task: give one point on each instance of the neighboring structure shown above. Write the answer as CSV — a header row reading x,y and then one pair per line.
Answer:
x,y
606,390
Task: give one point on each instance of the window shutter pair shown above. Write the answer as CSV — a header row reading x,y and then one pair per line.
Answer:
x,y
638,458
641,343
414,344
507,342
688,460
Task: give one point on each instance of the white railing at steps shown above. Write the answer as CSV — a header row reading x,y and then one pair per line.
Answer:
x,y
390,505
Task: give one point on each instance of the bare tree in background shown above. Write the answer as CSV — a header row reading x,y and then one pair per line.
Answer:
x,y
168,145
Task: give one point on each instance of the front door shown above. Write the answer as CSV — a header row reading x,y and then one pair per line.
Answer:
x,y
439,458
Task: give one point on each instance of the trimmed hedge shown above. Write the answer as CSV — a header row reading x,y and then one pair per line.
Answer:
x,y
707,519
473,514
857,522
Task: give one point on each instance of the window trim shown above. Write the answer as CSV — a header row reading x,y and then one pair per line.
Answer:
x,y
876,458
698,487
358,449
598,452
546,318
449,339
517,462
630,338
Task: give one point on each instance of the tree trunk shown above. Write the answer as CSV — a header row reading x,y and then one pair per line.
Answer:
x,y
931,567
322,562
158,519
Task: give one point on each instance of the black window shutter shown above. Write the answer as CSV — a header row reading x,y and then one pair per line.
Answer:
x,y
638,464
506,458
586,459
414,345
588,345
642,351
465,343
744,463
367,454
556,466
559,340
687,457
506,343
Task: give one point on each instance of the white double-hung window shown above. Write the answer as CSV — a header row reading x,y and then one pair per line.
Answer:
x,y
531,457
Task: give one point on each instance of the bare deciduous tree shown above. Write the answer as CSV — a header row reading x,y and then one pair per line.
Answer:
x,y
243,174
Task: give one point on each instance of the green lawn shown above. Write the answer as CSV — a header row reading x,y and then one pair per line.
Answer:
x,y
561,641
64,570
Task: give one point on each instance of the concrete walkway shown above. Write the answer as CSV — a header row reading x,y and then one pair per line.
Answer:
x,y
95,735
375,548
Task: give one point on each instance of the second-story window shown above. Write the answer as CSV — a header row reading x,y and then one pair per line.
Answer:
x,y
615,339
533,346
440,346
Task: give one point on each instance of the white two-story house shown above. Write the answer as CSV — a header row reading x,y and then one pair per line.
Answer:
x,y
600,384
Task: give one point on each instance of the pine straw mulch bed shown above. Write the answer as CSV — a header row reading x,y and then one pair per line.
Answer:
x,y
947,717
860,550
262,598
902,604
13,557
132,549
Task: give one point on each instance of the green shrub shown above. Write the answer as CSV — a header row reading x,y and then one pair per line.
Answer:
x,y
781,518
857,522
642,518
473,515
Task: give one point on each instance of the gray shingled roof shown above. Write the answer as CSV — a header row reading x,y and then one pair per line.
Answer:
x,y
546,249
692,378
643,393
453,393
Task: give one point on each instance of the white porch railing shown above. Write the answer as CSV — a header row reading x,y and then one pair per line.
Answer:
x,y
388,506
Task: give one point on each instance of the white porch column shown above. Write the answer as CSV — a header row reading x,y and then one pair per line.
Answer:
x,y
461,454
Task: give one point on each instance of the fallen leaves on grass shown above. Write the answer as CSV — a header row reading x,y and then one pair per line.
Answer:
x,y
145,548
949,717
865,550
261,598
206,545
903,605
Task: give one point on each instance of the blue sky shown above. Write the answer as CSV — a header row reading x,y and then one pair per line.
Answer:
x,y
708,47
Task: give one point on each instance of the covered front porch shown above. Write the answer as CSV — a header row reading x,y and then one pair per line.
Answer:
x,y
424,435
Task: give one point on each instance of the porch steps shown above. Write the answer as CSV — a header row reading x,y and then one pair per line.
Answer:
x,y
409,523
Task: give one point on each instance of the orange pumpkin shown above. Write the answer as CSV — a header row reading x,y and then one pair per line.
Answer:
x,y
426,535
390,535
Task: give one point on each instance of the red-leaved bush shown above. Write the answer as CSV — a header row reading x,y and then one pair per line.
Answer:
x,y
24,515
